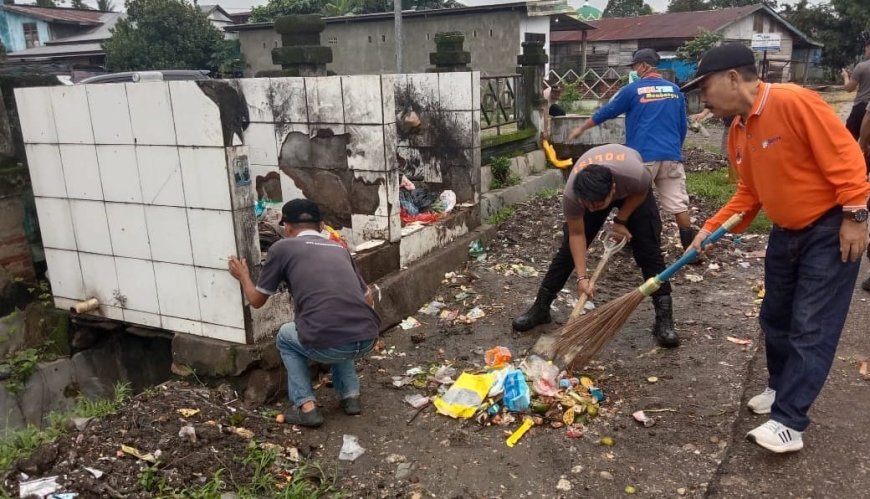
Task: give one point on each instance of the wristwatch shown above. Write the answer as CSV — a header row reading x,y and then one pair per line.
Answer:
x,y
859,215
620,221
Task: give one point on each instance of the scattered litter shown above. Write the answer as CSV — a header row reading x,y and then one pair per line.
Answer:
x,y
244,433
660,410
395,458
280,418
432,308
862,368
64,495
497,357
738,341
578,468
444,375
409,323
606,475
188,432
414,371
476,250
516,392
475,313
518,434
743,265
574,433
188,412
400,381
417,401
461,296
95,472
564,485
293,455
714,266
465,396
652,379
81,423
630,489
350,448
694,277
607,441
681,491
643,419
149,458
40,487
448,199
448,315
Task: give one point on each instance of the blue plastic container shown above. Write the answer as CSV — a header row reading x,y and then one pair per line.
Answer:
x,y
516,392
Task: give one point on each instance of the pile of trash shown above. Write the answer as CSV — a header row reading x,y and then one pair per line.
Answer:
x,y
533,392
419,204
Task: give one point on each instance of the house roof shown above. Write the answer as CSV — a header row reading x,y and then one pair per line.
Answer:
x,y
208,9
57,14
672,25
56,51
97,34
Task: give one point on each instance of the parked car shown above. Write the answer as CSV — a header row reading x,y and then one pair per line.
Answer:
x,y
141,76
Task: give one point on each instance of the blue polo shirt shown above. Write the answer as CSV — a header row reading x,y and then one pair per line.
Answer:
x,y
655,117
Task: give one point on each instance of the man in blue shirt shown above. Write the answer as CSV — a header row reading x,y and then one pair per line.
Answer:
x,y
655,126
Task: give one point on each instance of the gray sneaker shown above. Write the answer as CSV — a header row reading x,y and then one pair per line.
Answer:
x,y
311,418
351,406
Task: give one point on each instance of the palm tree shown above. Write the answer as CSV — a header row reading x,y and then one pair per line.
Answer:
x,y
339,8
106,5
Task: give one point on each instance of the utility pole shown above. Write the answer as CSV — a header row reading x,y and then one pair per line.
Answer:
x,y
397,12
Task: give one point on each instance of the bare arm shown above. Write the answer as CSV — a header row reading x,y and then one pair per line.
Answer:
x,y
577,244
580,130
864,137
630,204
849,84
239,270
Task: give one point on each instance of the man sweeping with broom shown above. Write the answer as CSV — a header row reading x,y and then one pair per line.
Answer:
x,y
607,177
796,160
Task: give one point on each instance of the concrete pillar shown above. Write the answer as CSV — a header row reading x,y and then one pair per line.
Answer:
x,y
583,52
531,62
449,55
7,148
301,54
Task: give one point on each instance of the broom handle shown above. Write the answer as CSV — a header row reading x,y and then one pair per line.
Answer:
x,y
609,250
690,255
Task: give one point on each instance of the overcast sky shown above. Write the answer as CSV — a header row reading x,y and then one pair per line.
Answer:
x,y
236,5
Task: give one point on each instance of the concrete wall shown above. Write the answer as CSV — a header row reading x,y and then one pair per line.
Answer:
x,y
493,39
12,30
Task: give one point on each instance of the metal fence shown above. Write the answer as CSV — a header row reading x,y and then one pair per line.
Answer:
x,y
595,83
498,102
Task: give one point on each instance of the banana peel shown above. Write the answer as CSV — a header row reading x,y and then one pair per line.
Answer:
x,y
552,158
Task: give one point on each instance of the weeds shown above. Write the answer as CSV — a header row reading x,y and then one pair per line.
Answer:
x,y
548,193
500,166
715,188
501,215
21,366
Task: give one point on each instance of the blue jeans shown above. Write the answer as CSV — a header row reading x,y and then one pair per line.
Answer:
x,y
808,292
297,356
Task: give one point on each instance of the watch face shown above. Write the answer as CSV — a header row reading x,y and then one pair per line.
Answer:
x,y
860,215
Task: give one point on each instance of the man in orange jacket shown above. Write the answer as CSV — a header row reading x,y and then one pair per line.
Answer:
x,y
797,160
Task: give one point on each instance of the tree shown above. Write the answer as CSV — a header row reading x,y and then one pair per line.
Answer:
x,y
277,8
841,26
725,4
627,8
162,34
692,50
106,5
45,3
79,4
688,5
339,8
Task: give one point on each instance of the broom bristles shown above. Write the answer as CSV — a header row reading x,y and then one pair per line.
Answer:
x,y
583,338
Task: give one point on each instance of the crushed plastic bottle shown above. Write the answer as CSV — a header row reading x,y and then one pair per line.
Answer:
x,y
536,368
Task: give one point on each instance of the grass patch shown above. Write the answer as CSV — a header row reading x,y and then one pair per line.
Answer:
x,y
548,193
716,189
500,166
501,215
18,444
497,140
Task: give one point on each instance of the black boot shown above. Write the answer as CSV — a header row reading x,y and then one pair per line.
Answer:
x,y
663,330
686,238
538,314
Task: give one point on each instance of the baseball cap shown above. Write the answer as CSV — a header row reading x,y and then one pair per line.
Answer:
x,y
721,58
648,56
299,211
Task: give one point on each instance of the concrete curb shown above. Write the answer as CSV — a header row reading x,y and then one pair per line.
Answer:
x,y
493,201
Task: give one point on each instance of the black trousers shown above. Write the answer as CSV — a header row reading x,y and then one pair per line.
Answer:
x,y
853,123
645,225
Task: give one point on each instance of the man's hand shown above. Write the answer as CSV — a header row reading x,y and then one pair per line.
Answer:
x,y
575,133
239,268
370,297
844,74
620,232
696,243
585,287
853,240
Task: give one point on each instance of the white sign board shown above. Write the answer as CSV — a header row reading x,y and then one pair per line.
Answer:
x,y
769,42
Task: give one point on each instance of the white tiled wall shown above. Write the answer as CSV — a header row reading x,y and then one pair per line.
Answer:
x,y
132,191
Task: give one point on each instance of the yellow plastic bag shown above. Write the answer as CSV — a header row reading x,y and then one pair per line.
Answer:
x,y
465,396
550,152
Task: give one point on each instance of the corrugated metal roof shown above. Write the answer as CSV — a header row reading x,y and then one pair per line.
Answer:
x,y
58,14
56,51
100,33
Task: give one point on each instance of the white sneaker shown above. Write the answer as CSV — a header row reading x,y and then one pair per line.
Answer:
x,y
761,403
776,437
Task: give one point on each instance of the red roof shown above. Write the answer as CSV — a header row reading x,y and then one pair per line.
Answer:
x,y
58,14
674,25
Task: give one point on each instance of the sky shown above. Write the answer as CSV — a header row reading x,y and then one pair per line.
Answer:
x,y
238,5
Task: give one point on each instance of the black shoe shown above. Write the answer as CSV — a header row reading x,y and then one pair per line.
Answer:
x,y
351,406
311,418
686,238
538,314
663,330
866,285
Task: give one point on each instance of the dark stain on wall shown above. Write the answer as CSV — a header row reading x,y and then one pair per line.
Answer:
x,y
232,106
269,187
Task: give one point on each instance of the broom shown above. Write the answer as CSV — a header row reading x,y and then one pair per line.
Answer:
x,y
582,339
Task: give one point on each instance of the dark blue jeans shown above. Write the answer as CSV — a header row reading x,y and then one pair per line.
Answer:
x,y
808,292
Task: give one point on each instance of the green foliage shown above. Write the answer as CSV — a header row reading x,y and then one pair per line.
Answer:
x,y
692,50
840,25
163,34
500,166
570,94
688,5
627,8
501,215
79,4
106,5
497,140
339,8
725,4
548,193
277,8
46,3
21,366
228,59
715,188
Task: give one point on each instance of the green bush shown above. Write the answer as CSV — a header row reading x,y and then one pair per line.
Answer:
x,y
500,166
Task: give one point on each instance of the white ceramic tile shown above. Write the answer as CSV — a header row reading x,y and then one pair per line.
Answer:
x,y
137,285
110,114
391,141
119,173
323,95
99,278
91,226
262,147
394,221
368,227
160,175
168,234
362,99
257,92
205,176
454,90
224,333
288,100
36,115
475,90
72,117
64,274
460,122
365,150
212,237
151,113
176,291
46,170
423,87
127,230
220,298
181,325
197,117
142,318
81,171
55,223
388,96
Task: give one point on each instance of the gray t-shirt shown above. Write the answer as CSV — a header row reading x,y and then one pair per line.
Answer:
x,y
861,74
629,174
328,292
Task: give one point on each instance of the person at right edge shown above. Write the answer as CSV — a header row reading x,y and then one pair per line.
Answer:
x,y
864,142
795,159
859,82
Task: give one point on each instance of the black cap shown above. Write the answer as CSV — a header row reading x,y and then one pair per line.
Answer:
x,y
721,58
648,56
300,211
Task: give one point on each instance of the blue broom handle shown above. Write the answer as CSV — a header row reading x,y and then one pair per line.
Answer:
x,y
690,255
